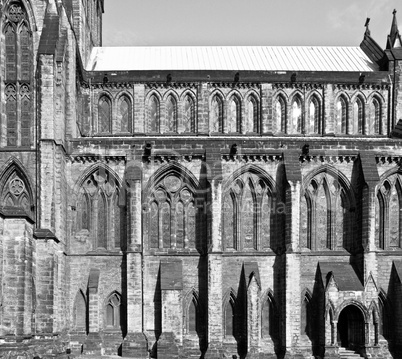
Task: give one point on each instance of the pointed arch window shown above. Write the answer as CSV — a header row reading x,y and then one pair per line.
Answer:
x,y
18,77
113,311
153,114
297,115
358,117
80,312
229,318
252,120
124,118
171,114
247,214
268,322
376,117
188,121
98,210
280,109
315,115
172,214
306,316
234,115
216,115
104,114
342,115
15,191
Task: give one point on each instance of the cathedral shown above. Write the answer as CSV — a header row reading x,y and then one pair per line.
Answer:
x,y
196,202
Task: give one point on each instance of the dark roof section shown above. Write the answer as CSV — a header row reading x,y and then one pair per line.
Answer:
x,y
372,50
93,279
42,233
344,274
50,33
398,268
394,35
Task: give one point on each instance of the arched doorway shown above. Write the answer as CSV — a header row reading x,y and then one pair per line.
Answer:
x,y
351,328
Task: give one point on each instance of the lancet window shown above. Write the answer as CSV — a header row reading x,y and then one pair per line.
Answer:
x,y
247,214
104,114
124,115
389,213
375,117
172,214
18,81
280,111
252,120
342,115
98,210
234,115
216,114
153,114
358,117
113,311
171,114
314,115
327,219
297,125
187,123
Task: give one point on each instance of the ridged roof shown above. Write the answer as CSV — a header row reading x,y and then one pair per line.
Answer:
x,y
238,58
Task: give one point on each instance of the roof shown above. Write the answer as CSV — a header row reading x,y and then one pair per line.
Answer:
x,y
237,58
345,276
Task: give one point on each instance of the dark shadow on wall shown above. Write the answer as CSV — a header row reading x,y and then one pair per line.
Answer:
x,y
202,309
279,272
157,315
123,307
279,211
317,333
241,317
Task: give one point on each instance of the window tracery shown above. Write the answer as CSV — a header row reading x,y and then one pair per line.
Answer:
x,y
98,210
389,213
247,214
113,311
328,220
18,77
172,215
15,191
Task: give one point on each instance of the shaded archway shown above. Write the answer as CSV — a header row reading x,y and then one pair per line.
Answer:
x,y
351,327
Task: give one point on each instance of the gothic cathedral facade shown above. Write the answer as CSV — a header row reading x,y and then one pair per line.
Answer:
x,y
196,202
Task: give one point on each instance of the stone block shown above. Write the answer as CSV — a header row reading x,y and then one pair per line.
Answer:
x,y
135,346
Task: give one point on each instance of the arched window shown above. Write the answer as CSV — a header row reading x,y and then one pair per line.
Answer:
x,y
234,115
113,311
314,116
229,318
306,316
252,120
216,114
153,114
80,317
358,117
171,114
342,115
296,115
124,117
15,191
268,322
376,117
104,115
192,318
18,76
172,215
247,214
280,110
187,124
99,211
